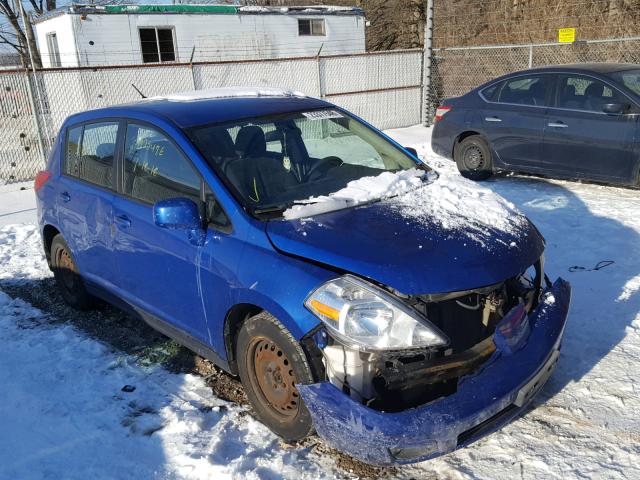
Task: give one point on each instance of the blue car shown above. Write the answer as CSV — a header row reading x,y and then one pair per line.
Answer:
x,y
298,247
566,121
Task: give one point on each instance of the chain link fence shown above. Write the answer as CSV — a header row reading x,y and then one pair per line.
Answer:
x,y
383,88
457,70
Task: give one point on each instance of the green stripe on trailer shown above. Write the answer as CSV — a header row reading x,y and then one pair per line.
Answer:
x,y
221,9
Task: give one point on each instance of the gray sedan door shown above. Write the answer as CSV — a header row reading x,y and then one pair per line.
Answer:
x,y
581,140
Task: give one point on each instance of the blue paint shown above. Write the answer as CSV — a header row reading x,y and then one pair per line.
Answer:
x,y
387,252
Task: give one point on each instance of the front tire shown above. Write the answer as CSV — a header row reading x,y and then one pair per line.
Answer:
x,y
473,158
67,275
270,363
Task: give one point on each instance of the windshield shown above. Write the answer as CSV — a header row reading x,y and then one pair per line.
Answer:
x,y
628,78
273,162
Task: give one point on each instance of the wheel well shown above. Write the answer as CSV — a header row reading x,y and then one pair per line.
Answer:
x,y
233,321
47,237
461,137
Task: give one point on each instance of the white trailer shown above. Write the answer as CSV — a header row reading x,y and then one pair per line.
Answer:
x,y
90,35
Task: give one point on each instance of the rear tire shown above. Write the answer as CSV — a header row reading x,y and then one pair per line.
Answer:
x,y
473,158
68,276
270,363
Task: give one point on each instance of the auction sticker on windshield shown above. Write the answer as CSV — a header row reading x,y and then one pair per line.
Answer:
x,y
322,114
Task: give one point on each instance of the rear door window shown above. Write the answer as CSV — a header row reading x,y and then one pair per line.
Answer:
x,y
526,90
90,153
576,92
154,168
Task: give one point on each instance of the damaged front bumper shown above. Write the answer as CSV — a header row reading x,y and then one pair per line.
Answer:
x,y
483,402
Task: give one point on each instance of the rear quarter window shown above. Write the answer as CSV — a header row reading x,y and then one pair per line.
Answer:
x,y
72,157
491,93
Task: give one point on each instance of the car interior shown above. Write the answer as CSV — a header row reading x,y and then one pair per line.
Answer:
x,y
154,170
264,177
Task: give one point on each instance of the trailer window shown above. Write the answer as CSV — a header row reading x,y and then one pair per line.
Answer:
x,y
157,45
311,27
54,51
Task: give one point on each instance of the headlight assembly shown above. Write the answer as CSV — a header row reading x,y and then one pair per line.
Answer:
x,y
363,315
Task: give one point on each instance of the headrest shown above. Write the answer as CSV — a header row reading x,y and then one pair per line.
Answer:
x,y
594,90
250,141
105,150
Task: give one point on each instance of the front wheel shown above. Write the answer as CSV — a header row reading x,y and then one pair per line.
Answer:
x,y
473,158
271,363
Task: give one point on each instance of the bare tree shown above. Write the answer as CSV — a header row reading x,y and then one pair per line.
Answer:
x,y
19,35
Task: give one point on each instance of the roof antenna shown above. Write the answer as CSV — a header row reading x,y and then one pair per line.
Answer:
x,y
138,90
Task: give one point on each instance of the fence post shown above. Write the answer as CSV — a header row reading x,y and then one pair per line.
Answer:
x,y
193,75
34,110
530,56
427,107
319,62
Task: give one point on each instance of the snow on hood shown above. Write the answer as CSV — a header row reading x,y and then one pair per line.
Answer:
x,y
227,92
450,201
357,192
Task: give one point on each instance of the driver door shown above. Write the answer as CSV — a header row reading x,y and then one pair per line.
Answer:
x,y
580,139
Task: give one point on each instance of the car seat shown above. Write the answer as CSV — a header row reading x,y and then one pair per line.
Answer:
x,y
568,98
594,97
257,173
537,93
98,168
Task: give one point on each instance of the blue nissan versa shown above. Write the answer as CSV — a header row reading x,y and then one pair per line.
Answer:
x,y
174,211
568,121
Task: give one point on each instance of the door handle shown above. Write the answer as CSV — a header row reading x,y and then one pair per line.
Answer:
x,y
123,221
557,124
492,119
65,197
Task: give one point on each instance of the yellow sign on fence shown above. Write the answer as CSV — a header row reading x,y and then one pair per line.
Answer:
x,y
567,35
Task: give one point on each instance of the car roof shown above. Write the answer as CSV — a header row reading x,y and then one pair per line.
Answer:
x,y
204,110
597,68
603,68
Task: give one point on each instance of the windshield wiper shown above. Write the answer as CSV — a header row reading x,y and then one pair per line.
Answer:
x,y
270,209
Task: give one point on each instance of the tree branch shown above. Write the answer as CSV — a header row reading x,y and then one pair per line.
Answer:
x,y
36,8
15,46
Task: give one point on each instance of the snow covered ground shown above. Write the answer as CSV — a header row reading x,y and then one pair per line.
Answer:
x,y
66,409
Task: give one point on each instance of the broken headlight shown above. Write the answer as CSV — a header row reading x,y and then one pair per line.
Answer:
x,y
365,316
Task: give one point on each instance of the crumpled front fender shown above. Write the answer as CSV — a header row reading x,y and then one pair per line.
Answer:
x,y
484,401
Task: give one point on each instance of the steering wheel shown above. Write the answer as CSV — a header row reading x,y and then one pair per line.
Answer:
x,y
328,162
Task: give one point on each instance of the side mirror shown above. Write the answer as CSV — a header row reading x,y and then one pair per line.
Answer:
x,y
177,213
616,108
412,151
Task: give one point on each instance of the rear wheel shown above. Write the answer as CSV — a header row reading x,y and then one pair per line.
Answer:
x,y
271,363
67,275
473,158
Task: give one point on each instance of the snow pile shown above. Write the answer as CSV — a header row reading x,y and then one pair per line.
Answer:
x,y
72,408
227,92
357,192
449,202
454,203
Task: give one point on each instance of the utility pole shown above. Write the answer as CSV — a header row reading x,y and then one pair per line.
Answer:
x,y
427,107
44,145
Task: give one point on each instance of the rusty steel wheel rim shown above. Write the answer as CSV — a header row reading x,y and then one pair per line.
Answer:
x,y
67,269
273,374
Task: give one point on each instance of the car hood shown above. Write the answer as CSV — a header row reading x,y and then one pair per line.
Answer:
x,y
414,249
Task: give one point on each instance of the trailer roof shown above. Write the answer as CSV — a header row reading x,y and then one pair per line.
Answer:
x,y
203,9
